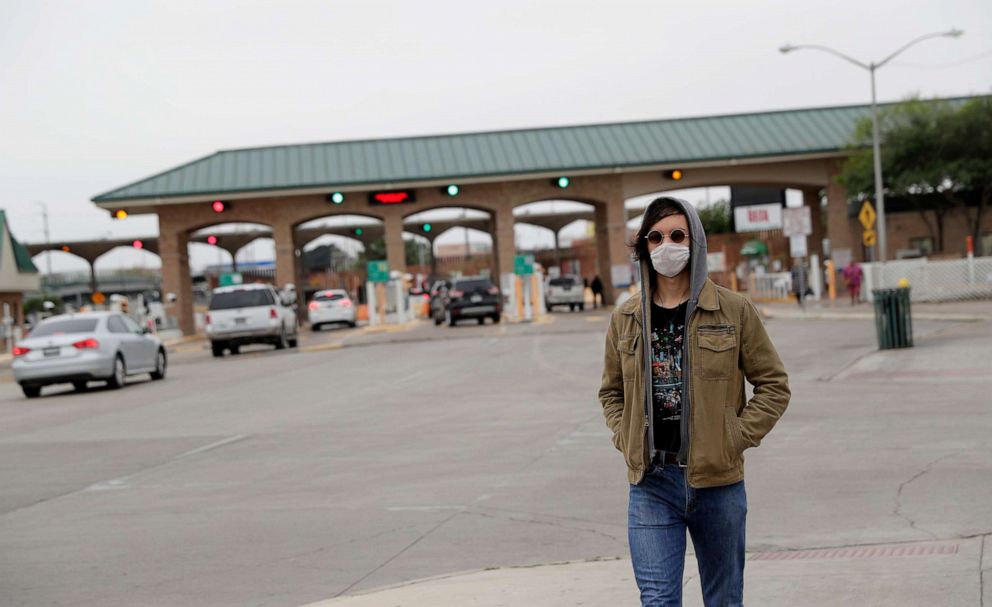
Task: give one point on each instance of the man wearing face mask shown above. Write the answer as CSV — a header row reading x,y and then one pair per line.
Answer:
x,y
673,394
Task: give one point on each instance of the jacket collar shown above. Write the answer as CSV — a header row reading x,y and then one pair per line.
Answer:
x,y
708,300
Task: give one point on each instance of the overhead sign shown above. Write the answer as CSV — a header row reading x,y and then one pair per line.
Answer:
x,y
867,216
797,221
378,271
758,217
392,197
228,279
523,264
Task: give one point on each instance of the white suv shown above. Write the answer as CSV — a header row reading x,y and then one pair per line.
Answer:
x,y
246,314
565,291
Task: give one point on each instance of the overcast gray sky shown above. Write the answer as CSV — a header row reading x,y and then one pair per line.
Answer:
x,y
99,94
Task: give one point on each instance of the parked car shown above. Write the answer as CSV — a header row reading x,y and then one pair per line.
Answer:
x,y
475,297
565,291
77,348
330,306
252,313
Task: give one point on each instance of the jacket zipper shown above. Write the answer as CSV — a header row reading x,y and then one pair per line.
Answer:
x,y
685,429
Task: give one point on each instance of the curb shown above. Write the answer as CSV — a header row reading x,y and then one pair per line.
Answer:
x,y
768,313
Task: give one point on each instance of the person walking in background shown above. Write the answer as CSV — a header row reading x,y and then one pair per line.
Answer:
x,y
597,291
852,276
673,395
800,280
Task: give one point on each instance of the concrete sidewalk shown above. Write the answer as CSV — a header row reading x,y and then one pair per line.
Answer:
x,y
924,574
842,310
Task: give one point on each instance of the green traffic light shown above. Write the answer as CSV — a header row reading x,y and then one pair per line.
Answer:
x,y
427,227
563,182
453,190
337,197
358,231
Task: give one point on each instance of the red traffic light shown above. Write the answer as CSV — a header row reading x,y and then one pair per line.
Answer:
x,y
138,244
218,206
211,239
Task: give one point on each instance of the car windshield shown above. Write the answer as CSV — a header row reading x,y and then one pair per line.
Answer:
x,y
60,327
245,298
328,296
564,281
473,285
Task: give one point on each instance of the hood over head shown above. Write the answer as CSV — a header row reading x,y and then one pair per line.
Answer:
x,y
697,248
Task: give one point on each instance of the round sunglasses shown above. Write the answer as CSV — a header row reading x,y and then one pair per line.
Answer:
x,y
676,236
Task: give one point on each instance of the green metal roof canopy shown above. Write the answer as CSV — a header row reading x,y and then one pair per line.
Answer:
x,y
600,147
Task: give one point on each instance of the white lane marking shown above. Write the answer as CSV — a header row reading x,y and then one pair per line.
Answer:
x,y
214,445
423,508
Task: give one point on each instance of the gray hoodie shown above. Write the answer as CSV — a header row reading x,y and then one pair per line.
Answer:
x,y
697,277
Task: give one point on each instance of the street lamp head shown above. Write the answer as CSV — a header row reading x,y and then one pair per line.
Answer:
x,y
954,33
785,48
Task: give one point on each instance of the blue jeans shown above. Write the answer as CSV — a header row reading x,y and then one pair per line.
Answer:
x,y
660,511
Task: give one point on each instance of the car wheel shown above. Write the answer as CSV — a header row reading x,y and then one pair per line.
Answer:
x,y
315,327
582,307
235,349
119,376
281,343
438,319
79,386
160,365
548,308
217,349
482,320
294,341
31,391
571,307
496,318
352,324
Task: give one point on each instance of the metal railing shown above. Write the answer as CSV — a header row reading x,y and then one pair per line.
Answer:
x,y
944,280
774,285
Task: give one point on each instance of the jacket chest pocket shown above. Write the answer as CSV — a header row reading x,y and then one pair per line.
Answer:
x,y
717,351
629,361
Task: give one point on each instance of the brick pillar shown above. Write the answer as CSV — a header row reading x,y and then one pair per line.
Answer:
x,y
173,249
504,241
611,247
842,231
395,249
283,235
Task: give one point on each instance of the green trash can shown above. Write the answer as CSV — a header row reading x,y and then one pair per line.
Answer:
x,y
893,320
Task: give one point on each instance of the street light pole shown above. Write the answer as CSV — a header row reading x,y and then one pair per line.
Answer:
x,y
48,242
875,139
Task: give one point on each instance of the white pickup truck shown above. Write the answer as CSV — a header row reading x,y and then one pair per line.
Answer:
x,y
252,313
565,290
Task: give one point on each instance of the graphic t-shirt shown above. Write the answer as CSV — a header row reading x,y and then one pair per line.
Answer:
x,y
667,334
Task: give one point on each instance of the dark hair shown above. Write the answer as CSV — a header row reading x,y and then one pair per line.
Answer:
x,y
655,212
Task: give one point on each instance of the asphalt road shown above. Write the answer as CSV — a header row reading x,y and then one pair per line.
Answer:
x,y
367,459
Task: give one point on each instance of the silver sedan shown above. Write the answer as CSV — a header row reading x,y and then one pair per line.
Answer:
x,y
77,348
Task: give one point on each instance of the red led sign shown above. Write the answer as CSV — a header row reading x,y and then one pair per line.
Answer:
x,y
392,197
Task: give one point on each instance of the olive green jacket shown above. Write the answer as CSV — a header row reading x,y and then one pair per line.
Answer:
x,y
727,343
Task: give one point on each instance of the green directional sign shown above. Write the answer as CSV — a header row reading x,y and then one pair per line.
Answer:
x,y
378,271
228,279
523,264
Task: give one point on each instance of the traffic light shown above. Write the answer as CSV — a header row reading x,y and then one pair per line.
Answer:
x,y
561,182
357,231
427,227
120,214
674,174
138,244
211,239
336,197
66,248
219,206
452,190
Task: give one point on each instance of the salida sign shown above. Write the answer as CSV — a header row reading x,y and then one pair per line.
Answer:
x,y
757,217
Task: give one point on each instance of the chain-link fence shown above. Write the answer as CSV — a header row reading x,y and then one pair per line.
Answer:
x,y
945,280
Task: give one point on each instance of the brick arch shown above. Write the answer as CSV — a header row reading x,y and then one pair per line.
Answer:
x,y
336,212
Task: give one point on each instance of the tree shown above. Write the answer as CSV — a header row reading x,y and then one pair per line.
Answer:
x,y
715,217
936,155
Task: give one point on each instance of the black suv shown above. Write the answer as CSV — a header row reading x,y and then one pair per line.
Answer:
x,y
472,298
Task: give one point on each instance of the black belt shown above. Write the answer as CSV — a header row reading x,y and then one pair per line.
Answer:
x,y
668,457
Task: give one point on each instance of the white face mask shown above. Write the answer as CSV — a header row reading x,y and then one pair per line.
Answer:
x,y
669,259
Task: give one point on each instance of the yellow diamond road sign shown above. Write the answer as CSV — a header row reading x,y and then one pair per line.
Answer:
x,y
867,215
869,237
